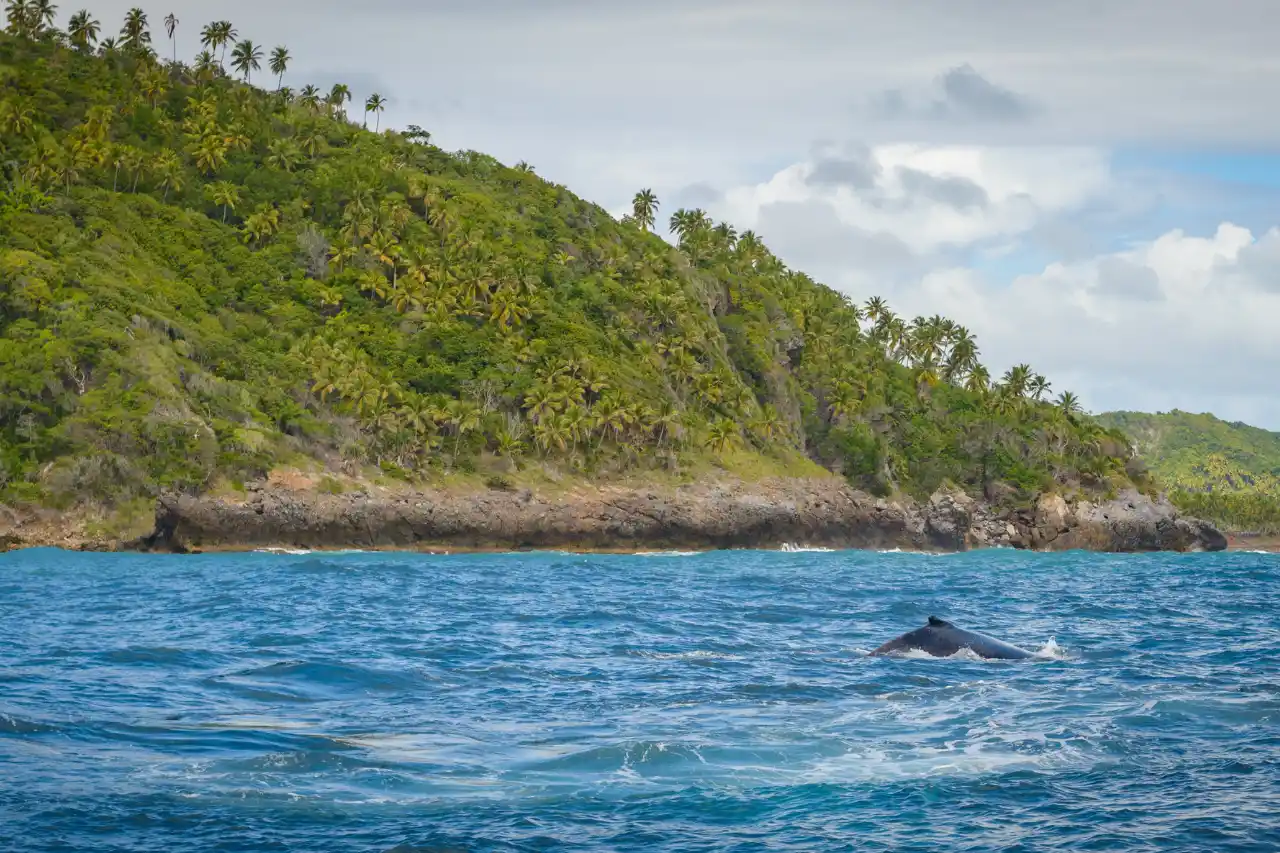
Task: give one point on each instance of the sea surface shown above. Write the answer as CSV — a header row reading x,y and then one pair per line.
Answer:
x,y
709,702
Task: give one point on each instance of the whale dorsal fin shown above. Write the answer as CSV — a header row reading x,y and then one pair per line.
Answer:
x,y
935,622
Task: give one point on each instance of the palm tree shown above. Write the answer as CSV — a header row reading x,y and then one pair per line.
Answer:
x,y
875,309
338,96
134,35
246,58
224,194
311,138
83,30
171,27
17,117
279,64
309,98
1068,403
41,15
644,207
206,66
210,37
463,417
1017,379
285,154
978,379
722,436
17,17
1039,386
376,104
168,172
226,35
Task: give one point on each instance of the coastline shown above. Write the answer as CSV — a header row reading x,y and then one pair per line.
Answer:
x,y
818,513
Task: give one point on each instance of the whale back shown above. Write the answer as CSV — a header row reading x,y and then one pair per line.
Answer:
x,y
940,638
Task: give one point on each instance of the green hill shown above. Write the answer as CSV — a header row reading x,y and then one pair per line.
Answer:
x,y
202,281
1228,472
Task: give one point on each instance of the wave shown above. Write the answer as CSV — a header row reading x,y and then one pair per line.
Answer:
x,y
697,654
792,548
11,725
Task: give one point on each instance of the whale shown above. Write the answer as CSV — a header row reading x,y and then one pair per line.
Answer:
x,y
941,639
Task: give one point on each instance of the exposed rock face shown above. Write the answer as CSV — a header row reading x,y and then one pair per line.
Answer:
x,y
811,512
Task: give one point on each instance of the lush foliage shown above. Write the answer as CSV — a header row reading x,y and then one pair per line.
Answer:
x,y
201,280
1227,472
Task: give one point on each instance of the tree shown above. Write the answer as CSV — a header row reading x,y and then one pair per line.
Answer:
x,y
722,436
338,97
17,117
463,417
227,35
309,98
645,207
206,67
134,35
376,104
42,15
246,58
83,30
169,173
1068,403
171,27
211,37
284,154
18,18
279,64
224,194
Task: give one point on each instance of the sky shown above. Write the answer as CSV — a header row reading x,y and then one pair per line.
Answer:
x,y
1091,186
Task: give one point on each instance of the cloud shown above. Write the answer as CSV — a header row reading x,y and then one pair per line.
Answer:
x,y
959,95
1122,278
933,200
953,191
1181,321
855,166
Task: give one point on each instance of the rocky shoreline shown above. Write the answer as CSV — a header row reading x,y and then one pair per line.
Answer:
x,y
814,513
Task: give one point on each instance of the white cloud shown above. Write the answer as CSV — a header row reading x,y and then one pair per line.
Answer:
x,y
929,199
1181,321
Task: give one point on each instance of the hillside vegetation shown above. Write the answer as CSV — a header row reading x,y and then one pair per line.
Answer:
x,y
201,281
1225,472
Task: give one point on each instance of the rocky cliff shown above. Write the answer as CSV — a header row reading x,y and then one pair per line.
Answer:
x,y
823,513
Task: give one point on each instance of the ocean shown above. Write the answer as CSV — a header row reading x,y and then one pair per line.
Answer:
x,y
684,702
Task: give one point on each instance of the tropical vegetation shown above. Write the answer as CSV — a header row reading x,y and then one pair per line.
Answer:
x,y
201,281
1226,472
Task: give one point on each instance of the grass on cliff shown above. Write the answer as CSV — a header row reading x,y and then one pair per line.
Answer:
x,y
202,282
1228,473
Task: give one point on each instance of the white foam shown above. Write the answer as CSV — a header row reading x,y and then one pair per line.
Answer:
x,y
698,654
1052,651
665,554
297,552
879,765
793,548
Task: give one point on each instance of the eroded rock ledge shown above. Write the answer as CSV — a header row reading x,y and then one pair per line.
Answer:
x,y
819,513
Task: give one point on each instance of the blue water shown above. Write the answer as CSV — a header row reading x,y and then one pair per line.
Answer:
x,y
363,702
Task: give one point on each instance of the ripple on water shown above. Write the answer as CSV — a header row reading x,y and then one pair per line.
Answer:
x,y
712,701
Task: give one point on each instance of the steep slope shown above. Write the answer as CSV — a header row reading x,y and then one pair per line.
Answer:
x,y
1226,472
202,282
